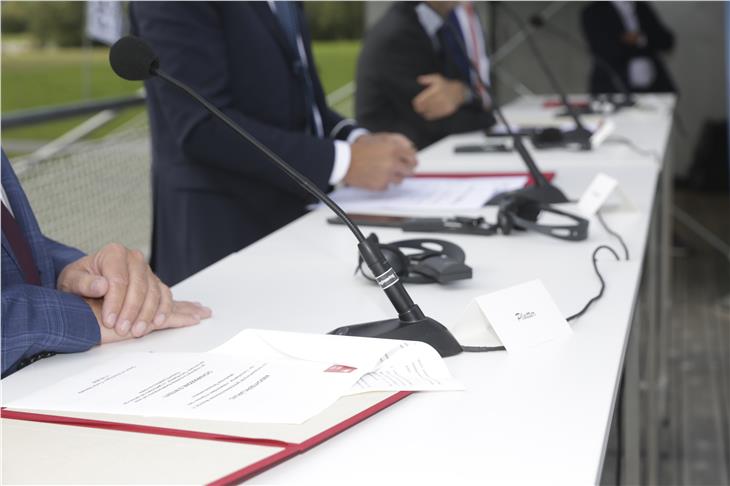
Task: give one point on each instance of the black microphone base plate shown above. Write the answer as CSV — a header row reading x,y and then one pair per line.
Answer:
x,y
425,330
549,138
544,194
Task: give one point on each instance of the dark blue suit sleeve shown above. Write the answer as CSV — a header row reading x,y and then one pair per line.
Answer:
x,y
37,319
190,41
61,255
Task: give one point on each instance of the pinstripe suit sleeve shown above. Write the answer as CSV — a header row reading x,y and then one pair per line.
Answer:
x,y
37,319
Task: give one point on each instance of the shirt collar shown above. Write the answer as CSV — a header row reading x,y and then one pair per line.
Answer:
x,y
430,20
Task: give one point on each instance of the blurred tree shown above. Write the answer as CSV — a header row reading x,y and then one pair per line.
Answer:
x,y
56,23
330,20
15,17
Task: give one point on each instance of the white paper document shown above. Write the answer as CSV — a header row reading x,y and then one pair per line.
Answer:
x,y
257,376
445,193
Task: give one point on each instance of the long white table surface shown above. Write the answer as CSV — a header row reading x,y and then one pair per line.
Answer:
x,y
536,417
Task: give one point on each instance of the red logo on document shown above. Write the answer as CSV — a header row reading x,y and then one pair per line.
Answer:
x,y
340,369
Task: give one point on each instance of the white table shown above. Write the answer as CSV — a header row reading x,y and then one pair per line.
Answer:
x,y
541,417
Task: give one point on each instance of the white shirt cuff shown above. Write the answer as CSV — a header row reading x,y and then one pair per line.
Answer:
x,y
356,133
342,162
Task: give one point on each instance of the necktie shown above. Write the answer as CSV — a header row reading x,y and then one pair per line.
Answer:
x,y
288,16
20,247
474,38
452,48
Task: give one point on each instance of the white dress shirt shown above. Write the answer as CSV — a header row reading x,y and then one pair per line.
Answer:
x,y
641,70
343,154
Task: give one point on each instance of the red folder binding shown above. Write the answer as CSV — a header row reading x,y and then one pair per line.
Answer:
x,y
288,449
556,103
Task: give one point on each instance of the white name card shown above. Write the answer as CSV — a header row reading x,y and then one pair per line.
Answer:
x,y
519,318
598,192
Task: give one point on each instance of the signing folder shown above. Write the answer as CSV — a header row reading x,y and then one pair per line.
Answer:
x,y
257,446
273,394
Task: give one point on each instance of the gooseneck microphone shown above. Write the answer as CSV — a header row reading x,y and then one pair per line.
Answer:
x,y
540,22
133,59
542,190
580,135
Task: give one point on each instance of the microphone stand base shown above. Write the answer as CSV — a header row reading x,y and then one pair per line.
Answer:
x,y
556,138
547,194
425,330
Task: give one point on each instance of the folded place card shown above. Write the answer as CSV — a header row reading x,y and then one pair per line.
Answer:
x,y
518,318
598,192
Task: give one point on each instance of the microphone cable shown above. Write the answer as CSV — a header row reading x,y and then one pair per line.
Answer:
x,y
600,279
611,232
635,148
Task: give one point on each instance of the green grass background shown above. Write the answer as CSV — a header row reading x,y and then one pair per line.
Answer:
x,y
40,78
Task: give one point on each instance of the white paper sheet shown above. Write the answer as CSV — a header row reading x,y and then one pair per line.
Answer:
x,y
257,376
408,367
457,193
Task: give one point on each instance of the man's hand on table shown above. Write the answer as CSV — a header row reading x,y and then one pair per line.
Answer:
x,y
126,297
183,314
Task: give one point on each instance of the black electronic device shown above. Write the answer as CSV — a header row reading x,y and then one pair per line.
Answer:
x,y
580,136
542,190
625,99
424,261
460,225
522,214
482,148
515,213
132,59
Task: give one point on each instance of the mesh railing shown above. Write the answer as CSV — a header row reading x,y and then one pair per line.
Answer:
x,y
95,192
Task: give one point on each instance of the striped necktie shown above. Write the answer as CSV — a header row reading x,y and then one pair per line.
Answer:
x,y
288,16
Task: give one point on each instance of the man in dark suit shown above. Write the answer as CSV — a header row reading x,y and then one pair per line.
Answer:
x,y
213,192
631,38
56,300
413,77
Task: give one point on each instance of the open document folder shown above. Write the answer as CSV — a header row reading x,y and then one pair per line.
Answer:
x,y
256,377
430,193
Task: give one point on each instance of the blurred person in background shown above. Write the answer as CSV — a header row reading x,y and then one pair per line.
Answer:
x,y
213,192
631,38
55,299
414,78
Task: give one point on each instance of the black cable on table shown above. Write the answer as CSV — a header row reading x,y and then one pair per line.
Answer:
x,y
630,144
614,234
482,349
600,278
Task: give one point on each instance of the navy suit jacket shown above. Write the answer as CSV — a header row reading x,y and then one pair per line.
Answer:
x,y
603,28
38,319
213,192
394,53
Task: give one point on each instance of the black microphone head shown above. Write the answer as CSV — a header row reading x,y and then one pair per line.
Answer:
x,y
133,59
537,20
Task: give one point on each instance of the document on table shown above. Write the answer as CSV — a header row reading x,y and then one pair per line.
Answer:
x,y
447,193
256,377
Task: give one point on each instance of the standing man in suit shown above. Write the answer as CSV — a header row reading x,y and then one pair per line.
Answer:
x,y
631,38
56,300
413,77
213,192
